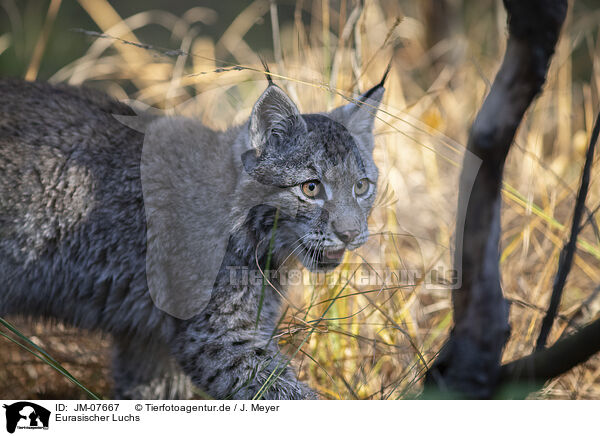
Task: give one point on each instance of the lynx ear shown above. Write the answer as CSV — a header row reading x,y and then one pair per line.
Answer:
x,y
358,117
274,114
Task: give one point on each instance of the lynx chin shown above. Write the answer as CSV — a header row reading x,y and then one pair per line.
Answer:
x,y
133,225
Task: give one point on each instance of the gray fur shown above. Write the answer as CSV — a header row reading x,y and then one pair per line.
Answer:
x,y
79,244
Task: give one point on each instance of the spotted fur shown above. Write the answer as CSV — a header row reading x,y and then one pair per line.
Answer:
x,y
74,231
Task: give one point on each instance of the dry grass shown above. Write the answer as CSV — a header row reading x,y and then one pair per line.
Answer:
x,y
374,341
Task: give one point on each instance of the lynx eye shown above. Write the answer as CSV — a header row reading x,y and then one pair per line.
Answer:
x,y
361,187
311,188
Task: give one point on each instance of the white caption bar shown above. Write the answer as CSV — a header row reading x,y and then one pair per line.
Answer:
x,y
285,418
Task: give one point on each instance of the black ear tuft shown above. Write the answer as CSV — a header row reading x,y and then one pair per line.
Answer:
x,y
385,74
358,117
267,71
371,93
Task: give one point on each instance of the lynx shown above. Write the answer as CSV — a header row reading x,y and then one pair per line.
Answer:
x,y
142,232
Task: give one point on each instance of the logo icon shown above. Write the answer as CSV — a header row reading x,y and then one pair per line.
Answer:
x,y
26,415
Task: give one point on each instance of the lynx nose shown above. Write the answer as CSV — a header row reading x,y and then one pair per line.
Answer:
x,y
346,236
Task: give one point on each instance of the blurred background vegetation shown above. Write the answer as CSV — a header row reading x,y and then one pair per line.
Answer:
x,y
376,341
24,22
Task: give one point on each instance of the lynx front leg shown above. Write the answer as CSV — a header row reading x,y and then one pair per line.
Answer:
x,y
143,371
237,364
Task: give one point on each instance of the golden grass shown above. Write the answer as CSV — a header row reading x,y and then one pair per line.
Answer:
x,y
375,341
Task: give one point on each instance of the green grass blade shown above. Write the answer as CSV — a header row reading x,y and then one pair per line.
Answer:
x,y
43,356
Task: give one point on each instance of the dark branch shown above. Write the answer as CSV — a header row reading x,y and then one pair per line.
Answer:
x,y
528,374
568,252
469,364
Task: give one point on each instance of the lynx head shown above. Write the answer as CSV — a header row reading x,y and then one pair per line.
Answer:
x,y
323,164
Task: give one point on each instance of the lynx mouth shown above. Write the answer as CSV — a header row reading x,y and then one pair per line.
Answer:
x,y
321,259
334,254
